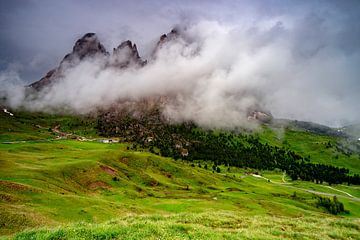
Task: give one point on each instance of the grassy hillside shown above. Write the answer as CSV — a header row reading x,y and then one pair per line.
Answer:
x,y
76,189
323,149
37,126
71,181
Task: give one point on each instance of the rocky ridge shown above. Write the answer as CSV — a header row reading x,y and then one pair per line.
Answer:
x,y
124,56
88,46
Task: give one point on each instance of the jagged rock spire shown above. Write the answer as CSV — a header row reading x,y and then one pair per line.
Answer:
x,y
125,54
172,35
87,46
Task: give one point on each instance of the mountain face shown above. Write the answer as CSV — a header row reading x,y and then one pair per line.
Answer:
x,y
87,46
171,36
124,56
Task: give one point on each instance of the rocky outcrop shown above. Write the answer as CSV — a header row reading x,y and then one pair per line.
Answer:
x,y
261,116
173,34
45,81
87,46
165,38
126,54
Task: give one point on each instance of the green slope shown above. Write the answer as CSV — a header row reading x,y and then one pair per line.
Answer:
x,y
37,126
323,149
71,181
74,188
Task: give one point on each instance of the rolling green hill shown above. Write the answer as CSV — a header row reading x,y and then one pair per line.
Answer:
x,y
58,180
325,149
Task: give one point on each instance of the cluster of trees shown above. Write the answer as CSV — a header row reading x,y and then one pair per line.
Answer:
x,y
187,141
333,206
247,151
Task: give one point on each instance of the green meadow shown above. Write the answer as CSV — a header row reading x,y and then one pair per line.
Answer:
x,y
55,188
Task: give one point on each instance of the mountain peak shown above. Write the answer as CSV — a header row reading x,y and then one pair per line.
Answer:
x,y
130,46
173,34
88,45
125,54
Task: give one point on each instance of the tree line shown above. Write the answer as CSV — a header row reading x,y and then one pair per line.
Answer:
x,y
189,142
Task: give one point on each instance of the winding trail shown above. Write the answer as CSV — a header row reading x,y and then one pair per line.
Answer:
x,y
60,136
341,191
285,184
324,193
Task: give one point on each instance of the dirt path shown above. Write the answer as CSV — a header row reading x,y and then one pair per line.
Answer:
x,y
349,196
60,136
340,191
258,176
325,194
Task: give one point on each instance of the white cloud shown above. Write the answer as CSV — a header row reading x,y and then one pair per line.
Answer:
x,y
296,64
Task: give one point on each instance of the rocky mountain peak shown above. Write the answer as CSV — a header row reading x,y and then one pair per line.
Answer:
x,y
173,34
127,46
87,46
125,54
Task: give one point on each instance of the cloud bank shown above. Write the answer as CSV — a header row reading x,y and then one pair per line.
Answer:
x,y
299,63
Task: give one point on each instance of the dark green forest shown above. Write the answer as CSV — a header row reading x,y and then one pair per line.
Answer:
x,y
230,148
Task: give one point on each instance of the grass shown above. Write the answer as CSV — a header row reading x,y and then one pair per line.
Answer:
x,y
25,126
313,145
48,187
69,189
216,225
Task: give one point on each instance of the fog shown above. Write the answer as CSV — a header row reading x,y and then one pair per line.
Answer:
x,y
297,60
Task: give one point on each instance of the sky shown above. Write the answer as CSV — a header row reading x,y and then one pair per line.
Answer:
x,y
301,57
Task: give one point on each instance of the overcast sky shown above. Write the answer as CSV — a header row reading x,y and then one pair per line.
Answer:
x,y
36,34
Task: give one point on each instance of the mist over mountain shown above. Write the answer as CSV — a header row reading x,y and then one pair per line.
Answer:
x,y
298,61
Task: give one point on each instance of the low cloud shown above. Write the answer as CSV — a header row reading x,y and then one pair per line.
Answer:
x,y
297,67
